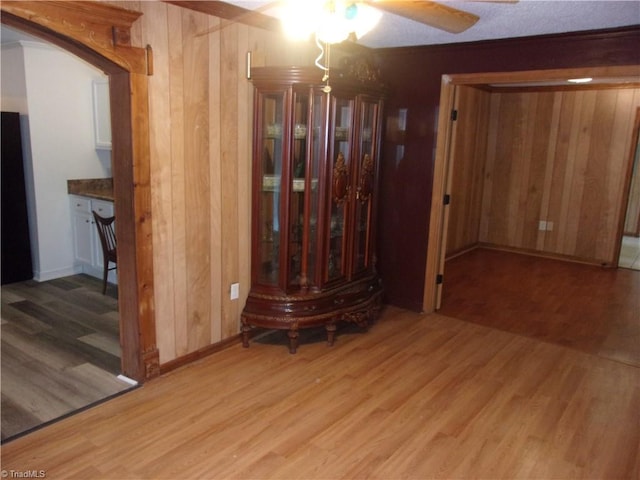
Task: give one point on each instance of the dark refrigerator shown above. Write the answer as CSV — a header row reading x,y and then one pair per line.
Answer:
x,y
16,246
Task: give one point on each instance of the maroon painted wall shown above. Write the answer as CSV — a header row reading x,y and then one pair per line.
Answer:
x,y
413,75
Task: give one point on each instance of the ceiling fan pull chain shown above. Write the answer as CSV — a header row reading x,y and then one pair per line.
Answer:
x,y
319,58
325,66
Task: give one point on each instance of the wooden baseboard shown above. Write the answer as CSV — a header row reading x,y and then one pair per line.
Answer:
x,y
524,251
537,253
460,251
198,354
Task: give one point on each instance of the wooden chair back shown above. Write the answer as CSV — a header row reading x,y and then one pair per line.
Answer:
x,y
107,234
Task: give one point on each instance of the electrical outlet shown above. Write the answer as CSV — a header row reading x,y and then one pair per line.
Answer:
x,y
542,225
234,292
549,226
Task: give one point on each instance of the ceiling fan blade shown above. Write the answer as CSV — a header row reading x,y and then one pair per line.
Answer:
x,y
433,14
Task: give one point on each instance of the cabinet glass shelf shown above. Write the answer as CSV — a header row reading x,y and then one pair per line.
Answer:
x,y
271,183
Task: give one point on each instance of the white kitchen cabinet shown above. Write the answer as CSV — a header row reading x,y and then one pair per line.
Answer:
x,y
82,226
101,114
86,242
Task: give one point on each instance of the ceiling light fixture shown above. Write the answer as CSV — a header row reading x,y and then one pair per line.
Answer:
x,y
329,21
332,21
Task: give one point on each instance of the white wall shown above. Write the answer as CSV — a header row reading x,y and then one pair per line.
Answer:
x,y
14,93
55,103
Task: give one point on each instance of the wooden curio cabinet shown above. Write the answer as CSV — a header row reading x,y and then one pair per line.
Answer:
x,y
315,192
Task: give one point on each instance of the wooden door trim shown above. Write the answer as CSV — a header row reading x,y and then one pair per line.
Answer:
x,y
443,140
436,243
614,73
634,154
99,34
633,151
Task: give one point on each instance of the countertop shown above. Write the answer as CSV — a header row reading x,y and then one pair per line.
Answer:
x,y
99,188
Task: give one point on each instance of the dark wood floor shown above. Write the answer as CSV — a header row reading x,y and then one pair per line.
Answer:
x,y
60,350
592,309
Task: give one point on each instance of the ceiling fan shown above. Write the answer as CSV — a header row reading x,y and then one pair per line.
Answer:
x,y
438,15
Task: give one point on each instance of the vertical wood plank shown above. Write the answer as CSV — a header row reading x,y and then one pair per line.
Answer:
x,y
575,182
522,196
492,145
197,196
229,173
541,136
513,156
215,138
559,181
245,142
593,170
552,146
160,149
508,147
178,187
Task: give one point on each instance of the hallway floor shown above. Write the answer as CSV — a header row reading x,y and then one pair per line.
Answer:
x,y
589,308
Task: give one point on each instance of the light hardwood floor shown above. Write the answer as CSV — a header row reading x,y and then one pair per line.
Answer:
x,y
417,396
60,350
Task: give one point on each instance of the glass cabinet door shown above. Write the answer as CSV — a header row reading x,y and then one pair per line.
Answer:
x,y
340,163
307,157
299,192
365,184
268,223
317,134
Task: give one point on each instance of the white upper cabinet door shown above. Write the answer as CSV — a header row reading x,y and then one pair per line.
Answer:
x,y
101,114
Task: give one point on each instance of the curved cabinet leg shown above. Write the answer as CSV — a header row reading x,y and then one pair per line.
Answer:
x,y
331,332
293,340
245,335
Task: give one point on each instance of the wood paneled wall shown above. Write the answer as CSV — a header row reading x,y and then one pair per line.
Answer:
x,y
469,148
560,157
553,156
201,107
414,76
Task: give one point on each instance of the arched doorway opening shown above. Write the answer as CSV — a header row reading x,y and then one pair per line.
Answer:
x,y
99,34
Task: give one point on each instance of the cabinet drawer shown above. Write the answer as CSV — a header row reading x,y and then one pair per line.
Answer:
x,y
81,205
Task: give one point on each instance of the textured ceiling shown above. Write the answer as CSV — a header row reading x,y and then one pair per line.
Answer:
x,y
498,20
